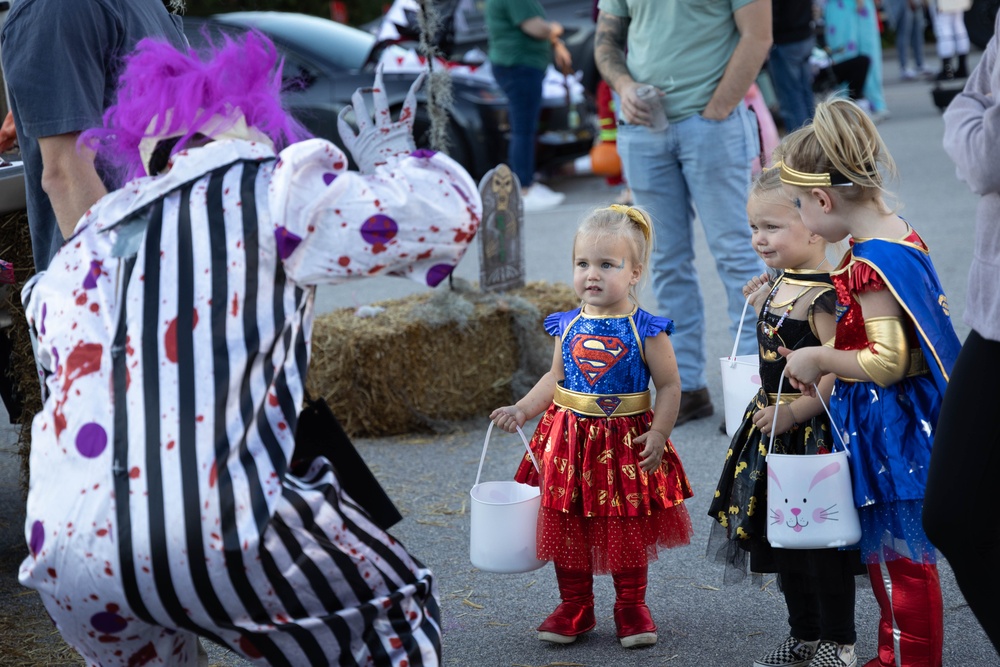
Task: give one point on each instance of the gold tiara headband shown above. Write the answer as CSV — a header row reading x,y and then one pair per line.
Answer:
x,y
635,216
802,179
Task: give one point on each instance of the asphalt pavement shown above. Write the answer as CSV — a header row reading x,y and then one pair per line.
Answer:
x,y
489,619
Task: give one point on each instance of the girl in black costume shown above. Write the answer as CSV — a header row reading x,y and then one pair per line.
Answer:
x,y
794,310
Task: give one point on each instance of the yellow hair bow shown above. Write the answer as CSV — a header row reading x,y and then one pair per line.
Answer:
x,y
635,215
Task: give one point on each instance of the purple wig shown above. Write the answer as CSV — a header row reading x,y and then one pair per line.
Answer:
x,y
242,72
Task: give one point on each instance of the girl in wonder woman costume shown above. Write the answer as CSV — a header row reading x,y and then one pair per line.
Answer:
x,y
613,487
795,310
893,351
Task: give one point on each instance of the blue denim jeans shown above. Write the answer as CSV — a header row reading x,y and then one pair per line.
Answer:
x,y
791,74
909,26
703,165
523,87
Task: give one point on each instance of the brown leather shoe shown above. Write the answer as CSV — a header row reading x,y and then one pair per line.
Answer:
x,y
695,404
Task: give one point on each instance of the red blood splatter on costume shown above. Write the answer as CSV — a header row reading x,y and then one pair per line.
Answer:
x,y
170,338
236,305
84,359
248,648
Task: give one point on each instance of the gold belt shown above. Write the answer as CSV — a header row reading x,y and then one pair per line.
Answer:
x,y
918,366
602,405
785,398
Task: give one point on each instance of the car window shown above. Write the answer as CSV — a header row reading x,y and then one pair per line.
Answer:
x,y
331,43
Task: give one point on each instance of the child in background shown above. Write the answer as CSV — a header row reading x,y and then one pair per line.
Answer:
x,y
795,311
952,37
892,355
613,487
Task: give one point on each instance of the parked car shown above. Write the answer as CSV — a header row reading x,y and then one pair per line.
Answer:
x,y
464,29
325,62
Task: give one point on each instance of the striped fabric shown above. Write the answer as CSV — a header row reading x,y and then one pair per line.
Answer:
x,y
173,341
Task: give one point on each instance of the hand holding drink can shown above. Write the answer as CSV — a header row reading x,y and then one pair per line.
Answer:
x,y
652,97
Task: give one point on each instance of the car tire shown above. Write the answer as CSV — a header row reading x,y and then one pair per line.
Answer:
x,y
458,148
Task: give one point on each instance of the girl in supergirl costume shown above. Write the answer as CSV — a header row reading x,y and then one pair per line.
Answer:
x,y
892,354
795,311
612,485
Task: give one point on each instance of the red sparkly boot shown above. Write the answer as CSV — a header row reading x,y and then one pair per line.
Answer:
x,y
575,614
632,620
909,597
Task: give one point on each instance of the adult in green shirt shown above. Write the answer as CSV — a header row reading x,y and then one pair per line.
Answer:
x,y
522,44
702,57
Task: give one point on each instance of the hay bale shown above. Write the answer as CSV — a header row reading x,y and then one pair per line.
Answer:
x,y
15,247
433,358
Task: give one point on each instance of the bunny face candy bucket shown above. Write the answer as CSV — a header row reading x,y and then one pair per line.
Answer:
x,y
810,502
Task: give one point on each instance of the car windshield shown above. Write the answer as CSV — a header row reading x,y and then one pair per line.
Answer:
x,y
340,45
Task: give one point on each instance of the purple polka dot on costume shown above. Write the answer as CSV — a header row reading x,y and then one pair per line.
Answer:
x,y
423,152
91,440
41,326
90,280
328,178
379,229
37,540
851,47
437,273
108,623
287,242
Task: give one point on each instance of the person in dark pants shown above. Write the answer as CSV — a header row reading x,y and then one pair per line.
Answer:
x,y
522,44
788,63
961,481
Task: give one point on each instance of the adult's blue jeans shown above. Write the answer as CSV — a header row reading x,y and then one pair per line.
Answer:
x,y
523,87
909,26
792,76
696,165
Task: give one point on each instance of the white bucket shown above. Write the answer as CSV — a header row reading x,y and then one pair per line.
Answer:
x,y
740,381
504,518
810,502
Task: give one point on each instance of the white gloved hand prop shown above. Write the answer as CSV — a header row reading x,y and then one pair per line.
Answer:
x,y
378,137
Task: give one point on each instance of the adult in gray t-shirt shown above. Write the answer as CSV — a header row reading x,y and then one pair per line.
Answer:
x,y
61,61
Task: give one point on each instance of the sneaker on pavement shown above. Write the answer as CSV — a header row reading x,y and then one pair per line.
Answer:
x,y
694,405
908,74
832,654
537,197
792,653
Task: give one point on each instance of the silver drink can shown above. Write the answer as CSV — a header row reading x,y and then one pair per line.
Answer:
x,y
651,96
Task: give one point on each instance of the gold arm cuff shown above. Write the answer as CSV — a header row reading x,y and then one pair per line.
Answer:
x,y
602,405
889,362
772,399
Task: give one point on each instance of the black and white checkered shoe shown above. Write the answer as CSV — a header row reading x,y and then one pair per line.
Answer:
x,y
792,653
832,654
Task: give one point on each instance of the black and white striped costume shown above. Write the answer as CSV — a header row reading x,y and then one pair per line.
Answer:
x,y
173,341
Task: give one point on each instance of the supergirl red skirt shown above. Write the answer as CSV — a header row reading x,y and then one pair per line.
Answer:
x,y
600,511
